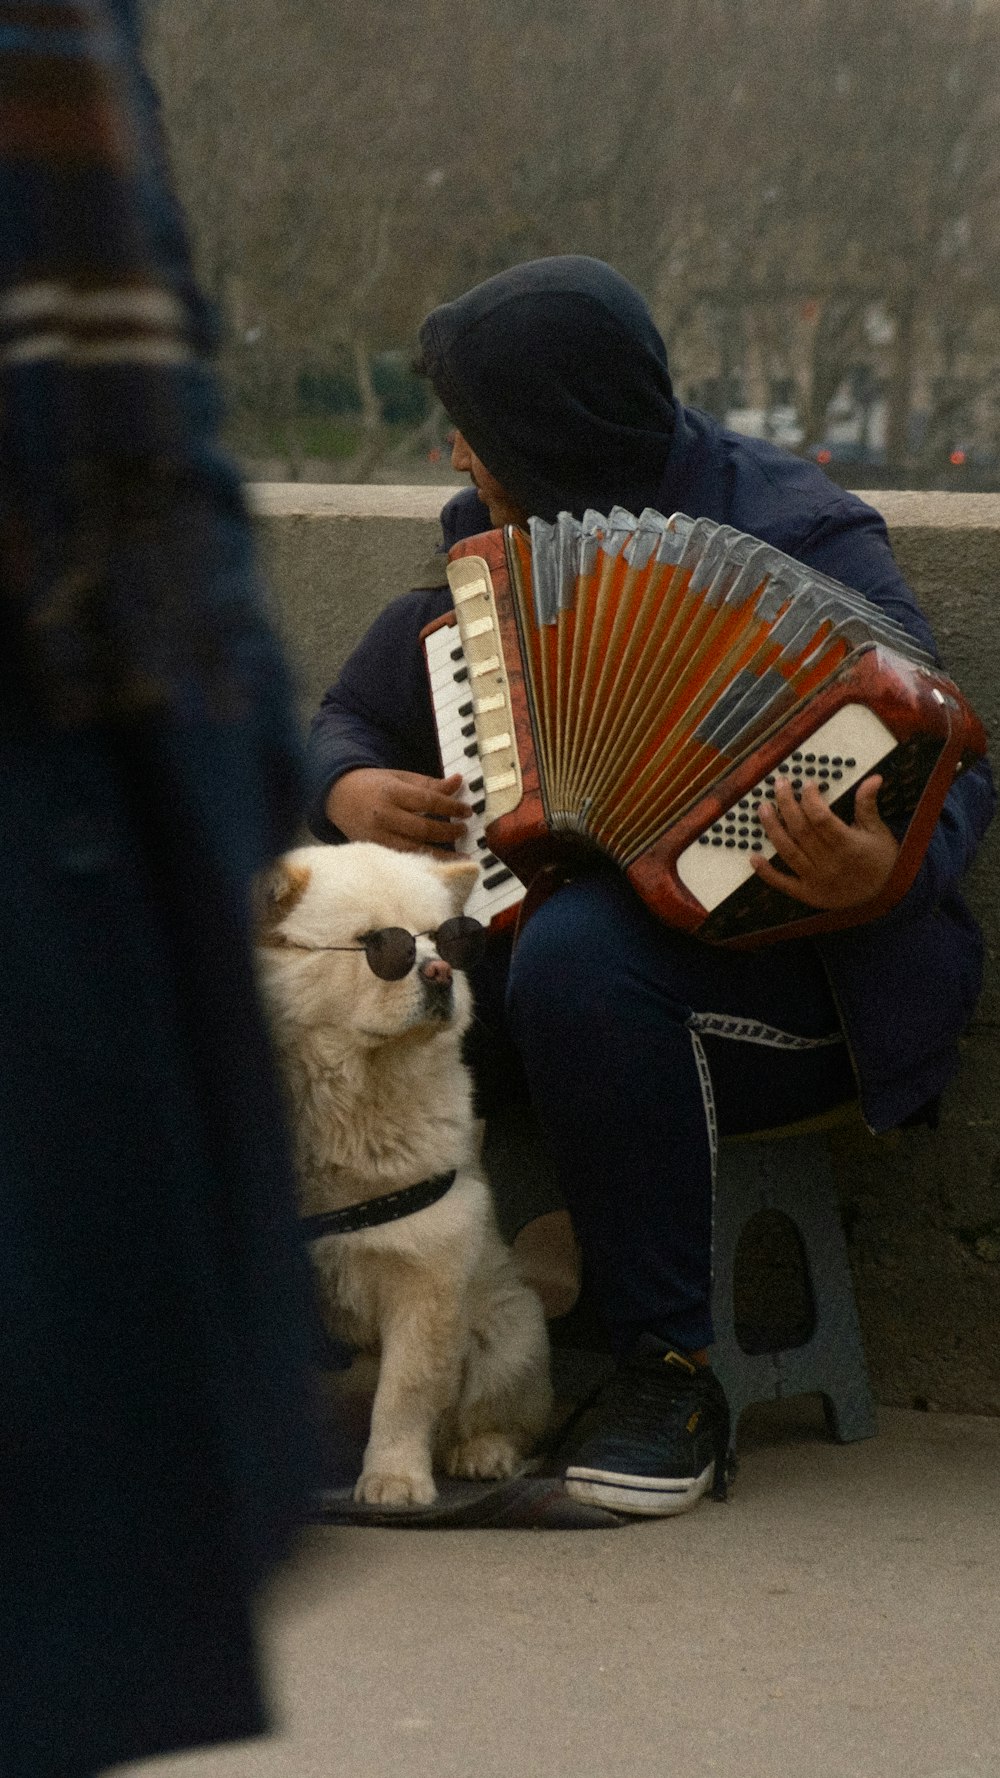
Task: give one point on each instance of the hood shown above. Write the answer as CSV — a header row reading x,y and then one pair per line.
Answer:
x,y
557,378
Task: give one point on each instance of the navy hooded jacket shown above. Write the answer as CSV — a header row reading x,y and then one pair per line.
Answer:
x,y
526,366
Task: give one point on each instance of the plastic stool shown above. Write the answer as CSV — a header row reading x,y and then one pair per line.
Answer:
x,y
792,1174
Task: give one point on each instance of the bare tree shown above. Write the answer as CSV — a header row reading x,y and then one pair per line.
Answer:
x,y
770,172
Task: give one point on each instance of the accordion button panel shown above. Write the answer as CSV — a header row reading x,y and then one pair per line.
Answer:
x,y
479,630
835,758
454,704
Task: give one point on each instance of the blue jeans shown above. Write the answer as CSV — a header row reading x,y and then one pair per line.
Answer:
x,y
639,1046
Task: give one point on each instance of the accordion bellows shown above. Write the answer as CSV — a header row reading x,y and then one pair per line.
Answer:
x,y
634,687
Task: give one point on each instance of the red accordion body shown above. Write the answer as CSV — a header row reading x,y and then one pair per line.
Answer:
x,y
634,688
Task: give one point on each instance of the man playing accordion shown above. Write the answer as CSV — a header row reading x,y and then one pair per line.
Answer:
x,y
630,1038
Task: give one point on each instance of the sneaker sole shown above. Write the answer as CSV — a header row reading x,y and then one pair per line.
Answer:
x,y
651,1497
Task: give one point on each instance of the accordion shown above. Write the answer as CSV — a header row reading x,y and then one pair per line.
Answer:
x,y
633,689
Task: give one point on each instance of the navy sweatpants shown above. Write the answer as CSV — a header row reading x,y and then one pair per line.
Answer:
x,y
640,1046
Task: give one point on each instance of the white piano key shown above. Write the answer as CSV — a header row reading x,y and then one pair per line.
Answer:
x,y
449,701
454,734
461,692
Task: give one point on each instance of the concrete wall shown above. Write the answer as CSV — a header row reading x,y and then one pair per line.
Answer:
x,y
922,1209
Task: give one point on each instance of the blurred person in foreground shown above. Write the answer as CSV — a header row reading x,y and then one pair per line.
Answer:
x,y
155,1433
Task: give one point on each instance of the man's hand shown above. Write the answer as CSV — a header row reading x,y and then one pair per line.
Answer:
x,y
835,865
404,810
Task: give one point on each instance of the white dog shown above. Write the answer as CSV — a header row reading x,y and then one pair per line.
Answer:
x,y
381,1100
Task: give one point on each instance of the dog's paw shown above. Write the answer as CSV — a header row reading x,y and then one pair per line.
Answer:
x,y
375,1488
488,1456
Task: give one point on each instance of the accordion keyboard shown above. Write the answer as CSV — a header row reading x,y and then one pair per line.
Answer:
x,y
843,751
454,703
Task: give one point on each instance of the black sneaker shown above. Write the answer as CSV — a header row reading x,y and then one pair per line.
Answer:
x,y
654,1437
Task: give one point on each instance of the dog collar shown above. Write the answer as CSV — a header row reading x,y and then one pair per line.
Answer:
x,y
372,1211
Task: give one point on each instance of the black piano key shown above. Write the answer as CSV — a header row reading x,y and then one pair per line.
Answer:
x,y
461,675
466,708
478,808
468,728
498,877
472,751
458,654
475,784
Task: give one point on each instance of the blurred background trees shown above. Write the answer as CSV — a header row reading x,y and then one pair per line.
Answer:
x,y
805,191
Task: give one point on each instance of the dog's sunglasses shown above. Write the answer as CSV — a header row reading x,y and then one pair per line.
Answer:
x,y
392,951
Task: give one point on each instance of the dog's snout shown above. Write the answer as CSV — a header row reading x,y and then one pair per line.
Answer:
x,y
435,969
438,985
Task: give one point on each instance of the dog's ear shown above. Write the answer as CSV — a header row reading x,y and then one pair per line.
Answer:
x,y
275,892
459,879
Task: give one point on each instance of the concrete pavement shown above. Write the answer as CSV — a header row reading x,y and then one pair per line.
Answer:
x,y
839,1617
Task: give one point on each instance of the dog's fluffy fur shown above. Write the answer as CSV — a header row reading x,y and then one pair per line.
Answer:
x,y
381,1099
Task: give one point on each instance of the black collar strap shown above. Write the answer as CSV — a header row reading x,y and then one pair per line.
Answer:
x,y
372,1211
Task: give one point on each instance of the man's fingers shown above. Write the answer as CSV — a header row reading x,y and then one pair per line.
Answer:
x,y
422,812
784,832
835,863
809,818
806,836
778,879
419,829
430,796
866,813
823,825
817,833
406,810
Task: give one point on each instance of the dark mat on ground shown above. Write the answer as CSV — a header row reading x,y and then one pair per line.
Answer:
x,y
533,1500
